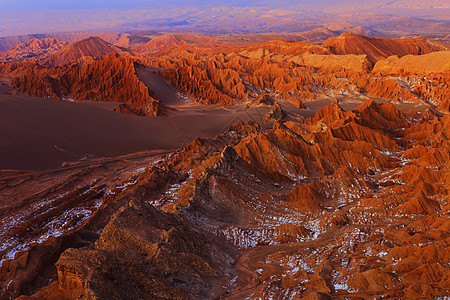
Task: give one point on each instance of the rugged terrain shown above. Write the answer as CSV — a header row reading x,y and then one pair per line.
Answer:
x,y
345,203
31,50
216,73
195,167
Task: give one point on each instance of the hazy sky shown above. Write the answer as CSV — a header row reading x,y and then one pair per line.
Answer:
x,y
43,16
68,4
278,4
123,4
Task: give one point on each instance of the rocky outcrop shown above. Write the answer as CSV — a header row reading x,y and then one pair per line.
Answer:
x,y
111,79
208,84
282,48
264,100
436,62
330,63
348,183
426,76
143,253
276,113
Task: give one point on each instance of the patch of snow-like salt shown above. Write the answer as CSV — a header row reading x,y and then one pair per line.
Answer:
x,y
341,286
55,228
140,170
239,237
382,253
12,253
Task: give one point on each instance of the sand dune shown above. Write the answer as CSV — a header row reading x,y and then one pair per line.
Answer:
x,y
40,134
165,92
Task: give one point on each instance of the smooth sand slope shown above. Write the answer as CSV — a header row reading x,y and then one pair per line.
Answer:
x,y
40,134
165,92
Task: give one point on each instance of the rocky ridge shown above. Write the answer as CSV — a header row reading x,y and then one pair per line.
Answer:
x,y
32,50
109,79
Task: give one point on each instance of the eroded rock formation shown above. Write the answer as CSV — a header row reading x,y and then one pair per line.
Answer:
x,y
32,50
110,79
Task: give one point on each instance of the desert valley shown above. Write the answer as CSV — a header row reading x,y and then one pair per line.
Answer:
x,y
157,164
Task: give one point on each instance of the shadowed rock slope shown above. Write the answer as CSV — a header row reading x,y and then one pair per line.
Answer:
x,y
143,253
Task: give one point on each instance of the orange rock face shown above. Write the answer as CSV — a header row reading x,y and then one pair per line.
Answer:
x,y
426,76
111,79
138,245
299,71
436,62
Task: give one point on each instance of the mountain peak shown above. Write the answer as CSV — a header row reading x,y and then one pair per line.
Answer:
x,y
91,46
